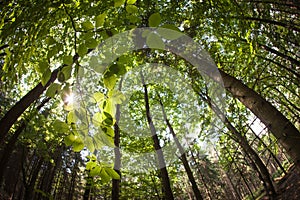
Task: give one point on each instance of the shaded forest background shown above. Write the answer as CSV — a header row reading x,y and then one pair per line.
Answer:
x,y
246,149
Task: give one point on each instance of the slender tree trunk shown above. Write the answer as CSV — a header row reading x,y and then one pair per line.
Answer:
x,y
201,176
292,60
241,174
285,132
115,195
16,111
161,161
87,189
73,178
29,187
182,154
262,169
270,151
10,146
233,190
269,21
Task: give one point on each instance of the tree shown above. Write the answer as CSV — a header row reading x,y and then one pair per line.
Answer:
x,y
62,109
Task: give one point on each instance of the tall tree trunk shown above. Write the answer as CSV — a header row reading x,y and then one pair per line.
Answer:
x,y
228,181
270,151
115,195
241,173
285,132
201,176
16,111
262,169
73,177
10,146
29,186
87,190
161,161
182,154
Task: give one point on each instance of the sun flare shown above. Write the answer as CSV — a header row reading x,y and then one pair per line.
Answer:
x,y
69,99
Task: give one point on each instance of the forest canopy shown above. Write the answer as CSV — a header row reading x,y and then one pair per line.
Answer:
x,y
136,99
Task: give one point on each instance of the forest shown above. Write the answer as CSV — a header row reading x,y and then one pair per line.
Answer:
x,y
149,99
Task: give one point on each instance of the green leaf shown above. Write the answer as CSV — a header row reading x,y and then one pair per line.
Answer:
x,y
97,119
87,25
42,67
107,140
169,31
71,117
68,60
95,171
60,77
116,96
117,69
69,139
67,70
110,106
154,20
110,82
50,41
100,19
104,176
46,77
89,143
60,126
118,3
131,1
131,9
112,173
78,145
98,140
98,96
52,90
146,33
91,43
108,119
90,165
82,50
154,41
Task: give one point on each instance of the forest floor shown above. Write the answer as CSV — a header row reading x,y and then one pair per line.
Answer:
x,y
288,187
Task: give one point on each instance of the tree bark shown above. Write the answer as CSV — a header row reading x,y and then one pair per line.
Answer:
x,y
182,155
115,195
262,169
16,111
201,176
161,161
285,132
9,147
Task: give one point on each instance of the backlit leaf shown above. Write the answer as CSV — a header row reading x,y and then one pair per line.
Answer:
x,y
46,77
68,60
82,50
118,3
87,25
110,82
112,173
154,20
100,19
131,9
131,1
154,41
52,90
